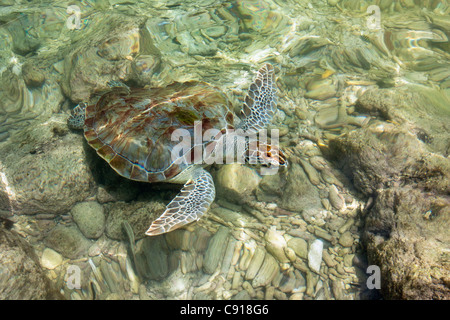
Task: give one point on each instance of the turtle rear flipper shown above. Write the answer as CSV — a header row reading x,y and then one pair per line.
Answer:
x,y
261,101
189,205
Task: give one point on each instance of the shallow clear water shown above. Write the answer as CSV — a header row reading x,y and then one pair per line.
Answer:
x,y
301,233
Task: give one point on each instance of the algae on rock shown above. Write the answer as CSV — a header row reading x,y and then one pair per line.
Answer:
x,y
406,229
21,276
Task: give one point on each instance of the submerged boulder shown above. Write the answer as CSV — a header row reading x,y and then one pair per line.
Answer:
x,y
236,182
425,110
68,241
120,49
44,169
90,218
384,155
406,230
407,237
21,276
139,214
299,193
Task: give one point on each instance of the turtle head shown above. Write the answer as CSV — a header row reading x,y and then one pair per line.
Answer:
x,y
266,155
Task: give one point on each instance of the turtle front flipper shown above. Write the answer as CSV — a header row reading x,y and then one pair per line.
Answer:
x,y
261,101
189,205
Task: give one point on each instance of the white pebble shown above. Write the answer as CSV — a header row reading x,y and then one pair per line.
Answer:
x,y
50,259
315,255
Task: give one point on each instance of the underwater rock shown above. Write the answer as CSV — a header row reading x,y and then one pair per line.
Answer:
x,y
201,239
236,282
287,282
328,259
23,34
269,269
337,288
276,244
19,105
68,241
47,174
192,47
315,216
215,251
313,175
188,262
132,276
139,214
410,247
318,162
90,218
423,109
259,16
269,293
241,295
304,45
32,76
255,263
348,259
346,239
299,193
21,276
236,182
329,177
410,185
248,287
122,49
376,156
248,251
194,34
50,259
116,190
344,227
14,93
299,246
322,89
152,257
270,188
326,117
233,217
215,31
315,255
228,256
336,200
180,239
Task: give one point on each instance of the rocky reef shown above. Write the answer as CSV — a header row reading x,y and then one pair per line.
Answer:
x,y
21,275
403,166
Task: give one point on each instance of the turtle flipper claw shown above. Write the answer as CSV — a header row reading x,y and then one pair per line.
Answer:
x,y
189,205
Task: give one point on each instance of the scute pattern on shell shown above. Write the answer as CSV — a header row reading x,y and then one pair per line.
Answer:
x,y
133,132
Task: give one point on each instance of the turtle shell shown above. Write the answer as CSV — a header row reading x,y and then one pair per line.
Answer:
x,y
133,132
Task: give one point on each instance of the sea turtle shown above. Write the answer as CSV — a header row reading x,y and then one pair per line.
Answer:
x,y
137,131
